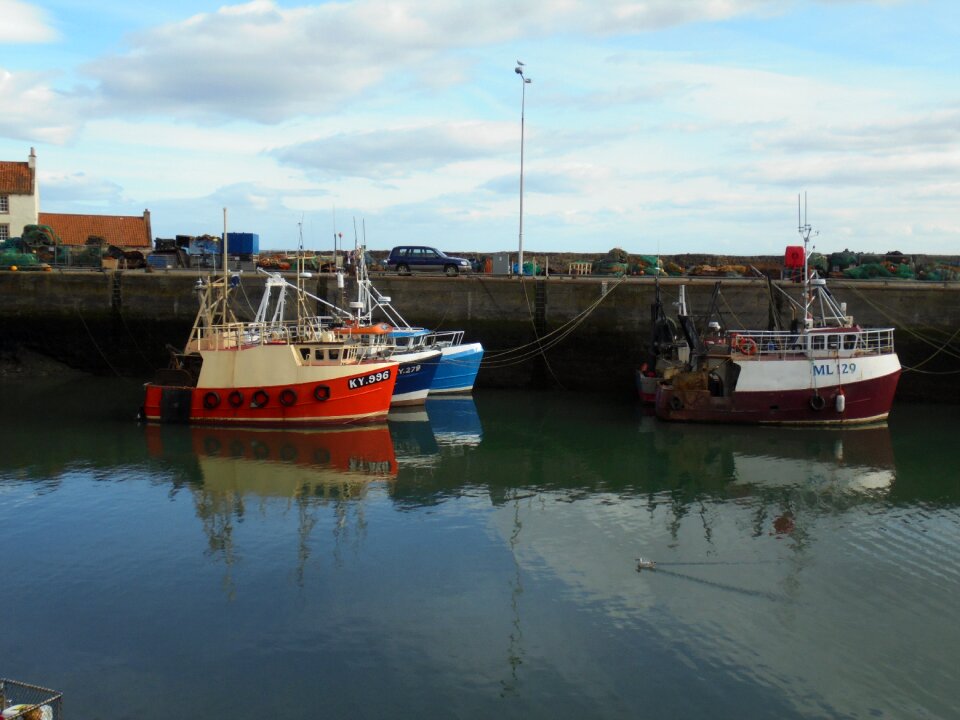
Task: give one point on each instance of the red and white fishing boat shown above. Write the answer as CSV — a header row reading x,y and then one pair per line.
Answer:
x,y
825,369
271,371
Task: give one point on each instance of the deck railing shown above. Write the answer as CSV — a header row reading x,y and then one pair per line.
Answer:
x,y
846,342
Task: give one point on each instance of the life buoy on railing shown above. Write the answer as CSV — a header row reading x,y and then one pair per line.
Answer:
x,y
260,398
287,397
676,403
235,398
817,402
321,393
211,400
746,345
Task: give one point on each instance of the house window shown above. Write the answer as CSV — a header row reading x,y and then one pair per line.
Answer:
x,y
4,233
4,203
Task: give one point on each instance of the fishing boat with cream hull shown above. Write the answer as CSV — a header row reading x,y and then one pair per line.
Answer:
x,y
824,369
271,371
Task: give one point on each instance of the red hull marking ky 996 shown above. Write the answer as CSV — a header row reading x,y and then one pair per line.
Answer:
x,y
356,383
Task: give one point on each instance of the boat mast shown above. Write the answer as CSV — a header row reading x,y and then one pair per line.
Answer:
x,y
225,268
803,227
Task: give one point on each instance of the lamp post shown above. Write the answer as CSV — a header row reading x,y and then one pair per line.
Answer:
x,y
523,99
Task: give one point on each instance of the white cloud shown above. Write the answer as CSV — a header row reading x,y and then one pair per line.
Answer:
x,y
938,131
24,23
80,189
398,153
33,111
266,63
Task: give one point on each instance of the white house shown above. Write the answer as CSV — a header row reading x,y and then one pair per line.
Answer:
x,y
19,196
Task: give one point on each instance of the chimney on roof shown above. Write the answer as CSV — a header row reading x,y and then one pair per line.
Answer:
x,y
146,222
35,185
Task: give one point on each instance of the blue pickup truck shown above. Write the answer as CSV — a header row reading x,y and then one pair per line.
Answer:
x,y
407,258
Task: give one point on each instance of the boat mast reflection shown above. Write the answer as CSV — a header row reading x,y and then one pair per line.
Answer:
x,y
312,468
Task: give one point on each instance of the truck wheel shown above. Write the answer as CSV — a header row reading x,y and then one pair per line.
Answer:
x,y
402,270
450,270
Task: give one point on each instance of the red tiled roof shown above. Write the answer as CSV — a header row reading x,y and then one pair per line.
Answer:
x,y
16,178
120,230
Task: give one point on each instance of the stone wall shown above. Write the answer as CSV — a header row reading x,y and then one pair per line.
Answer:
x,y
595,330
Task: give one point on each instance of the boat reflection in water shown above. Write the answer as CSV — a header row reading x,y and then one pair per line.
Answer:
x,y
849,462
300,462
772,459
306,470
749,537
413,438
444,426
454,421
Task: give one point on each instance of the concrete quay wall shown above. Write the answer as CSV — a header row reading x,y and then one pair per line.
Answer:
x,y
593,332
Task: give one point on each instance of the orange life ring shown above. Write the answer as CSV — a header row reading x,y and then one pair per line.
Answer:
x,y
747,345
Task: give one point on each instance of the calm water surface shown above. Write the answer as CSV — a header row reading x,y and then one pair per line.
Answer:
x,y
478,559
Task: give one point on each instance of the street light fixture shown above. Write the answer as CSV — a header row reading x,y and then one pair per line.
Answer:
x,y
523,99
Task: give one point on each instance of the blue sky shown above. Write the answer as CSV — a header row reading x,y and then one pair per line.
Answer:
x,y
667,126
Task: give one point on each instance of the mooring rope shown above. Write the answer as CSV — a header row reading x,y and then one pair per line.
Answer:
x,y
889,315
149,365
533,324
93,340
505,358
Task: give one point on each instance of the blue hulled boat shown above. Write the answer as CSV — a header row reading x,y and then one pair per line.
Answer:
x,y
459,362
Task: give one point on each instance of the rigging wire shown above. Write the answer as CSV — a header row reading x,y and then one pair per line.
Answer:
x,y
94,341
533,324
562,329
889,315
557,336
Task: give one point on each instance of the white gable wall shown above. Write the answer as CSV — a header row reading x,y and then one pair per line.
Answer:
x,y
24,209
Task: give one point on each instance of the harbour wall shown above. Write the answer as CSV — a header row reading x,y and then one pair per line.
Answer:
x,y
585,334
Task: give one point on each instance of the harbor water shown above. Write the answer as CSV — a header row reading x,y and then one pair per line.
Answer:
x,y
477,558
